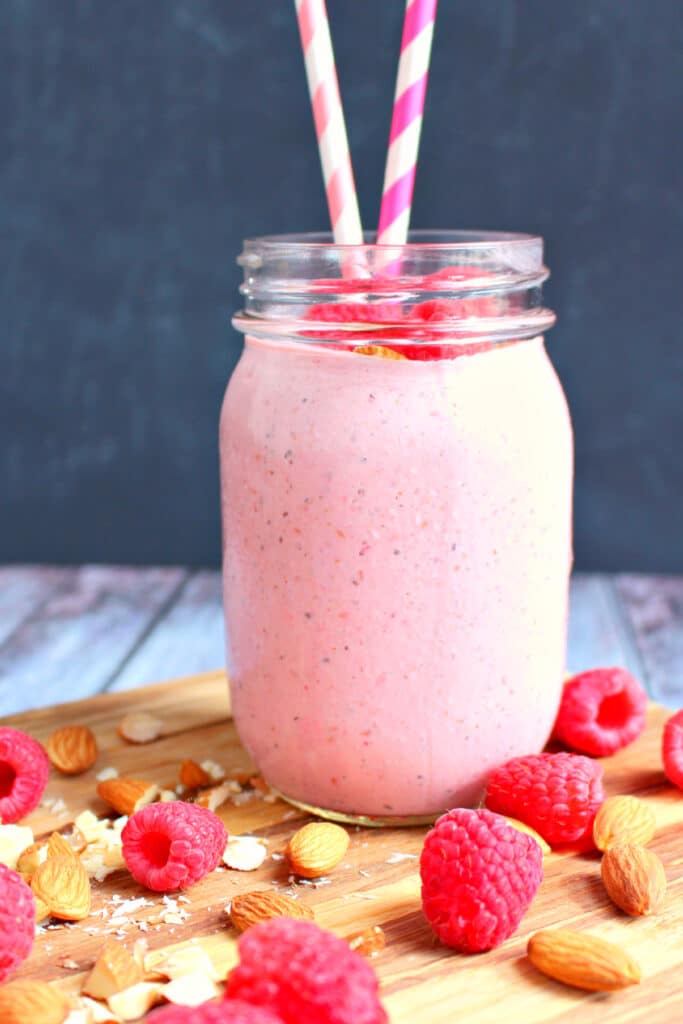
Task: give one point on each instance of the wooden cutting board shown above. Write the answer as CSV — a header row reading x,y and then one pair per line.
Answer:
x,y
376,884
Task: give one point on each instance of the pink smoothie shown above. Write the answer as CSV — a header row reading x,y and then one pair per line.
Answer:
x,y
397,546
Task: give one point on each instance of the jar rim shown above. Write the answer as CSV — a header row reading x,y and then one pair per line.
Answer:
x,y
426,239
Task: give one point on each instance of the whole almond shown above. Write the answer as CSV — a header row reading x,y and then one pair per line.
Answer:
x,y
58,846
139,727
378,350
32,1002
250,908
582,960
62,884
634,879
317,848
623,819
115,969
193,776
369,942
127,795
72,749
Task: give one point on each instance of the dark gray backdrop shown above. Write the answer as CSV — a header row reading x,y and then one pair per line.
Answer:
x,y
146,138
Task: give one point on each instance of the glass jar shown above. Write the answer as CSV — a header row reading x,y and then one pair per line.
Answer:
x,y
396,480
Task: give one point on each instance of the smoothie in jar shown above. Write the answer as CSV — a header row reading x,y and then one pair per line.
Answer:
x,y
397,546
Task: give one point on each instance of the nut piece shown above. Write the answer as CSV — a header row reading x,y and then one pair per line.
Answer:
x,y
134,1002
369,942
115,969
317,848
582,960
214,797
523,827
14,841
623,819
31,857
244,853
127,795
378,350
140,727
58,846
191,989
251,908
72,749
36,1002
42,909
62,884
193,776
634,879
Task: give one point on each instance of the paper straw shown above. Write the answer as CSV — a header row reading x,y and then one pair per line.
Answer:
x,y
406,122
330,128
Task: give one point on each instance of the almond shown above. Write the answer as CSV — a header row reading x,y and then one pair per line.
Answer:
x,y
244,853
317,848
623,819
62,884
582,960
36,1002
127,795
115,969
72,749
140,727
134,1002
42,909
369,942
378,350
250,908
529,831
193,776
31,857
634,879
58,846
214,797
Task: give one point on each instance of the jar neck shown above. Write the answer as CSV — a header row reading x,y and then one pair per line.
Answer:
x,y
440,285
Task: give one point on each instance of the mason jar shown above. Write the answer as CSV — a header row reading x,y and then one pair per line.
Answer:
x,y
396,482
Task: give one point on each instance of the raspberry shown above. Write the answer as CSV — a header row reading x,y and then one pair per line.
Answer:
x,y
17,920
172,845
305,975
601,711
24,769
479,876
230,1011
557,794
672,749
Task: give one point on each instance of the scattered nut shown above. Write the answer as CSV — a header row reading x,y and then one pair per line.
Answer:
x,y
582,960
244,853
634,879
623,819
251,908
369,942
72,749
317,848
140,727
127,795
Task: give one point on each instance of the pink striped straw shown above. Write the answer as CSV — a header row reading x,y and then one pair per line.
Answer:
x,y
330,128
406,122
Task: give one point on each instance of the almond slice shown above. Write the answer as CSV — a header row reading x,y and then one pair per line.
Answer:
x,y
623,819
244,853
250,908
317,848
32,1002
72,749
62,884
214,797
140,727
127,795
180,962
134,1002
193,776
190,989
634,879
582,960
114,970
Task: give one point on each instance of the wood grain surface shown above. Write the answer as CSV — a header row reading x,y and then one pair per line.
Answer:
x,y
377,883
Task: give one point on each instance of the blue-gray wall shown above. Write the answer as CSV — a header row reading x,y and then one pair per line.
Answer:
x,y
142,139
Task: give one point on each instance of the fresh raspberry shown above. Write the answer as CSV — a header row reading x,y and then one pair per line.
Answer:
x,y
305,975
17,921
479,876
230,1011
672,749
601,711
169,846
557,794
24,769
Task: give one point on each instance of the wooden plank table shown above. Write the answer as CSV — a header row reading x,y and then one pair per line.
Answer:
x,y
71,633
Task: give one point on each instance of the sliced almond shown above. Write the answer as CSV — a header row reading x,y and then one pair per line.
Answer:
x,y
193,776
378,350
14,840
582,960
215,796
140,727
521,826
32,1002
623,819
114,970
190,989
317,848
250,908
634,878
72,749
134,1002
244,853
62,884
127,795
369,942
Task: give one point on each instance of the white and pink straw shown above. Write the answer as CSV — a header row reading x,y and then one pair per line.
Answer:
x,y
330,127
406,122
